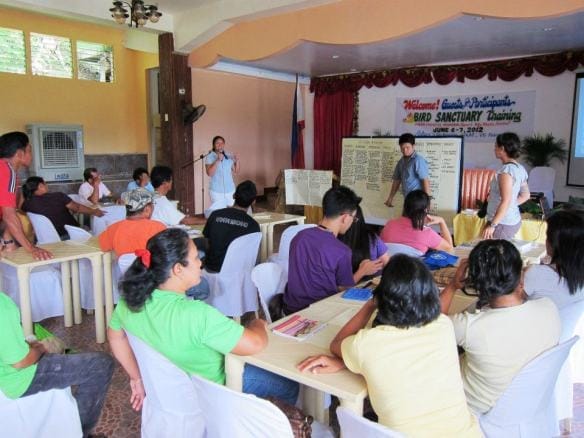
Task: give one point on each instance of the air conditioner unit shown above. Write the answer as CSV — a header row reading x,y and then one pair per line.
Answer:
x,y
57,151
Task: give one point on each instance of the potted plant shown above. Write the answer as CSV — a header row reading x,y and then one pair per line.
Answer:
x,y
539,150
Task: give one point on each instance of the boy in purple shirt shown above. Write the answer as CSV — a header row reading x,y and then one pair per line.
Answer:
x,y
319,264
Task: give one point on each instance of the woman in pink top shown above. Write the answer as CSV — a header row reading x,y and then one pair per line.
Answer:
x,y
413,227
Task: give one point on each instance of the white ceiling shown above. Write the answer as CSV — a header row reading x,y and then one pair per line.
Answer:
x,y
464,39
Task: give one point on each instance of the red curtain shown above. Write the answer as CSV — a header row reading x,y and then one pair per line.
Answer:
x,y
506,70
333,120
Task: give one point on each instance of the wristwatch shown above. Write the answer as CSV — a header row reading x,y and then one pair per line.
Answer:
x,y
7,242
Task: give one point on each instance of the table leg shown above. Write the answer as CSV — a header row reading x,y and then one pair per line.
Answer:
x,y
355,406
270,240
264,243
66,286
96,266
234,372
108,286
301,221
77,316
313,404
23,275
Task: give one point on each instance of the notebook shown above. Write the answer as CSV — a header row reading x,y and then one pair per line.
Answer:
x,y
358,294
298,327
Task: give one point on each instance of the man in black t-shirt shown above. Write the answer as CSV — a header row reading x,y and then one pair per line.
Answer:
x,y
56,206
227,224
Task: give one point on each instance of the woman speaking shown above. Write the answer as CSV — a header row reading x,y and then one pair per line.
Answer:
x,y
220,167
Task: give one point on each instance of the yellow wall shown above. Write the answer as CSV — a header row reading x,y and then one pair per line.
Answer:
x,y
114,115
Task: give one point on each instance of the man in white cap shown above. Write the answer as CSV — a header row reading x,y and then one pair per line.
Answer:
x,y
132,233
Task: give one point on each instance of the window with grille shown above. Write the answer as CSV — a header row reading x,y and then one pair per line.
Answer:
x,y
51,56
12,52
95,62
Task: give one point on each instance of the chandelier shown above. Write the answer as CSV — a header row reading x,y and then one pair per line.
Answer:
x,y
139,13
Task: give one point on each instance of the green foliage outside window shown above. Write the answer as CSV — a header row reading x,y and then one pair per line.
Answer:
x,y
12,51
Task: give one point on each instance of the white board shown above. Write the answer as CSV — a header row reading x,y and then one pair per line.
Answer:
x,y
368,164
307,187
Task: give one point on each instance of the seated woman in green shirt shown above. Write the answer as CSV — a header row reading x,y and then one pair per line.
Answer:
x,y
190,333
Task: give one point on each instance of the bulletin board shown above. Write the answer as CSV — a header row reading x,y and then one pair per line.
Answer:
x,y
368,164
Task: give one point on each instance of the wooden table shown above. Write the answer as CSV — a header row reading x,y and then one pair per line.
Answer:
x,y
282,355
267,220
65,253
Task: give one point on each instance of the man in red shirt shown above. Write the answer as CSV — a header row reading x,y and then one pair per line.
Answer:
x,y
15,152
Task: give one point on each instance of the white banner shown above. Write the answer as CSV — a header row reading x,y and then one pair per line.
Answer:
x,y
477,117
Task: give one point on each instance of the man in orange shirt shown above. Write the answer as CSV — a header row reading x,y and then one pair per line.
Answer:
x,y
133,232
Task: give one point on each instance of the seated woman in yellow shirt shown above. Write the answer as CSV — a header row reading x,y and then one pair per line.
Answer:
x,y
408,357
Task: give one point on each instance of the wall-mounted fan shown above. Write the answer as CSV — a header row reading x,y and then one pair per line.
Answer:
x,y
191,114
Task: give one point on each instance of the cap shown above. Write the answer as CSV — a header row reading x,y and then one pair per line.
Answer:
x,y
137,199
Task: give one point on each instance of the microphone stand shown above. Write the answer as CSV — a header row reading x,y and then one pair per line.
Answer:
x,y
200,158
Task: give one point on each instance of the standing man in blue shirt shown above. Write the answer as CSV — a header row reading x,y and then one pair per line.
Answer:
x,y
411,171
220,167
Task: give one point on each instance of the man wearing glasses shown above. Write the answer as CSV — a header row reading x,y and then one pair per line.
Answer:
x,y
319,264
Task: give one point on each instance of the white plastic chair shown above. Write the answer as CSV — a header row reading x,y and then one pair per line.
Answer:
x,y
46,292
113,214
43,228
399,248
564,393
46,414
353,425
281,257
231,414
124,262
541,179
171,407
526,407
232,291
266,277
78,234
283,254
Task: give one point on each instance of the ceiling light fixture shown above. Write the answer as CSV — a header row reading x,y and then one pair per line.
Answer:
x,y
335,56
548,29
139,13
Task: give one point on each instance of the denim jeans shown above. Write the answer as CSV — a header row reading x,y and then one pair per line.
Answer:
x,y
199,292
262,383
91,373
